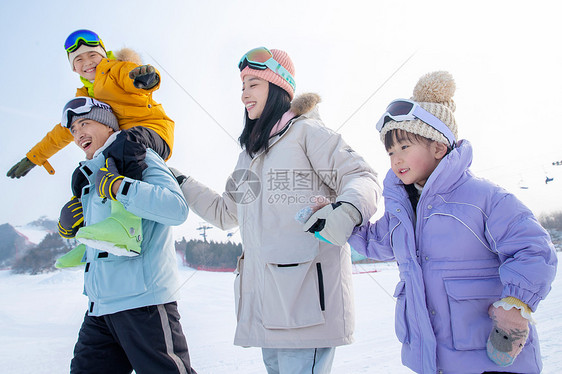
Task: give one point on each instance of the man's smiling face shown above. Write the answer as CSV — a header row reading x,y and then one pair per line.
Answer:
x,y
90,135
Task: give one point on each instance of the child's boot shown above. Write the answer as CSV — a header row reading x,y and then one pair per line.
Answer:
x,y
72,258
120,234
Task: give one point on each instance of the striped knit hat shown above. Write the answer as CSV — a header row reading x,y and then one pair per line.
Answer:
x,y
434,93
281,57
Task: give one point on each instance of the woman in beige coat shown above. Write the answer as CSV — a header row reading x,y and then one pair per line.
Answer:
x,y
293,293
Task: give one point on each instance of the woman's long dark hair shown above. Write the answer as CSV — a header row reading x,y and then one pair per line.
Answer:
x,y
255,135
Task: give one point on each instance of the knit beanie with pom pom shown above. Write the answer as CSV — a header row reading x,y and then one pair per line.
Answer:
x,y
434,93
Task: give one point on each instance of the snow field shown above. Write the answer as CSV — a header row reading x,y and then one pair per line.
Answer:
x,y
40,317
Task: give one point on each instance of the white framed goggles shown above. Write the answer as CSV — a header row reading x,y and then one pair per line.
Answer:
x,y
407,110
78,106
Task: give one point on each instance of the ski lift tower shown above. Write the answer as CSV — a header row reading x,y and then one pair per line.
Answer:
x,y
204,228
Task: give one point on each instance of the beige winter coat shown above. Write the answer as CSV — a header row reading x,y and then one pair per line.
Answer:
x,y
291,291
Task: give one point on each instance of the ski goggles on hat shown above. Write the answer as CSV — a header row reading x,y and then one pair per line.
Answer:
x,y
78,106
260,59
406,110
79,37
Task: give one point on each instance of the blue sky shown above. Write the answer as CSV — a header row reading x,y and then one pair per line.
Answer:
x,y
503,55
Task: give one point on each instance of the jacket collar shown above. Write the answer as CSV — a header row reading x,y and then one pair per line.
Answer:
x,y
282,123
107,143
303,106
89,167
446,177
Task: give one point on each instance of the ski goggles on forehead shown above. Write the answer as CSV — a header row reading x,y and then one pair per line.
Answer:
x,y
260,59
78,106
79,37
408,110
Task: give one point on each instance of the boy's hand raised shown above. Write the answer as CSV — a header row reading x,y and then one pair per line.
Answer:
x,y
144,77
21,168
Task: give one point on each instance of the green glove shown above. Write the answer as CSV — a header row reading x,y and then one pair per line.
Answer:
x,y
144,77
20,169
71,218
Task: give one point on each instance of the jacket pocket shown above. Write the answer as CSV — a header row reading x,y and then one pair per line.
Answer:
x,y
292,296
119,278
238,285
469,300
401,321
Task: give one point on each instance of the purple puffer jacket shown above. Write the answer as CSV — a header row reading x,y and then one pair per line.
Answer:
x,y
475,243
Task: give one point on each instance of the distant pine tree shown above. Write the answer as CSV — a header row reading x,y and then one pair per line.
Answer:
x,y
552,222
45,223
209,254
41,258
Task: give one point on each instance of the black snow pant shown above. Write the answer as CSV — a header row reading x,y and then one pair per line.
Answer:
x,y
128,151
147,340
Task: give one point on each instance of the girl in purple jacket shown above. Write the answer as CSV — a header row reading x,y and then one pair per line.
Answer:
x,y
474,262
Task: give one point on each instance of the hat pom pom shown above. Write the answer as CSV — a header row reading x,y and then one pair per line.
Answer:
x,y
436,87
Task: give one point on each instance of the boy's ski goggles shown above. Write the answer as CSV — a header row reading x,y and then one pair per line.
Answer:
x,y
260,59
78,106
406,110
79,37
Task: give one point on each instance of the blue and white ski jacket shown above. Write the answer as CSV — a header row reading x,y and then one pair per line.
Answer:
x,y
117,283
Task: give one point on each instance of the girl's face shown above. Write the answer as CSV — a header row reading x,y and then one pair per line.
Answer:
x,y
254,95
414,162
85,64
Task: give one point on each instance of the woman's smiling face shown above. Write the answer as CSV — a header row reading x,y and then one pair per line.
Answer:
x,y
254,95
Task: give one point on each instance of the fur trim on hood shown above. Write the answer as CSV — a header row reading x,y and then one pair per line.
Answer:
x,y
127,54
305,103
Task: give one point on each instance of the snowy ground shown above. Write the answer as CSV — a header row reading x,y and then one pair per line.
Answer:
x,y
40,317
